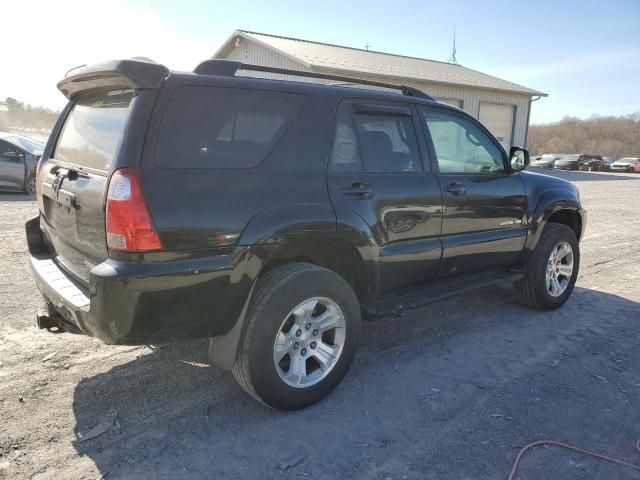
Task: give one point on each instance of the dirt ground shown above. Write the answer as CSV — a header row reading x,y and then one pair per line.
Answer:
x,y
450,391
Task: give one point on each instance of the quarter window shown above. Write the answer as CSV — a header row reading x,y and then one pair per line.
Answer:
x,y
214,127
460,146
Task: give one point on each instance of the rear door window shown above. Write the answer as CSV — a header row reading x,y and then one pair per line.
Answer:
x,y
217,127
382,137
388,143
93,129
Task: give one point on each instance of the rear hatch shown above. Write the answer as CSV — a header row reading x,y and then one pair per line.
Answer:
x,y
72,182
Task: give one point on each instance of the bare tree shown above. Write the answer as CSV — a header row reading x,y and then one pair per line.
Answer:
x,y
22,115
613,136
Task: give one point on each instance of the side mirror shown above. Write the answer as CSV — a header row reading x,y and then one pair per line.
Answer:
x,y
519,159
11,155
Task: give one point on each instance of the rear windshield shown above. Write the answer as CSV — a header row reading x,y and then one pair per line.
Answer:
x,y
93,130
216,127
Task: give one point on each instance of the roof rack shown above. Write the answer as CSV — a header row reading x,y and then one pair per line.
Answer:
x,y
229,68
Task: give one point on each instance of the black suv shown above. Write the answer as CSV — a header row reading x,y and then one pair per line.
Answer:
x,y
272,215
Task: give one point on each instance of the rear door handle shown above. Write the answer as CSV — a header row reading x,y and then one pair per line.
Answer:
x,y
456,188
358,189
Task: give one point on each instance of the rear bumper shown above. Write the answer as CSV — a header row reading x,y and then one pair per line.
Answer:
x,y
592,166
621,168
133,303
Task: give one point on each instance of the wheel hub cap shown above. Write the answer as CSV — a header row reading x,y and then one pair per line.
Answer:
x,y
309,342
559,269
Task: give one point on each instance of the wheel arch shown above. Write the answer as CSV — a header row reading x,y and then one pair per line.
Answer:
x,y
294,234
555,206
336,255
570,218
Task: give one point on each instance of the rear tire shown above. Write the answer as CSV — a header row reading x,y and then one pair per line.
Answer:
x,y
282,304
547,284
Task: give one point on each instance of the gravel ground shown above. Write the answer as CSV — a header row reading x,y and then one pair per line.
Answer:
x,y
450,391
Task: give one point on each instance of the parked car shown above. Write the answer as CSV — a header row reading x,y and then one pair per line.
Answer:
x,y
18,158
626,164
272,215
567,162
591,163
607,162
545,161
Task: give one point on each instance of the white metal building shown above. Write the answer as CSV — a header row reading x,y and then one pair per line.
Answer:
x,y
502,106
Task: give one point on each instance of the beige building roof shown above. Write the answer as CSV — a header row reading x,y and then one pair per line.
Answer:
x,y
322,56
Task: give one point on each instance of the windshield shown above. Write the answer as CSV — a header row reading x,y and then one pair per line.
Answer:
x,y
627,160
32,146
94,129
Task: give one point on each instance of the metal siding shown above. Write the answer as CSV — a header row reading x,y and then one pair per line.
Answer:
x,y
255,53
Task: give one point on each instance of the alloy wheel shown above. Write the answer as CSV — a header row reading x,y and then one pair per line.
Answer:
x,y
309,342
559,269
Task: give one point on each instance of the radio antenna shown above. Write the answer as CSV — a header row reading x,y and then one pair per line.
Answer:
x,y
452,58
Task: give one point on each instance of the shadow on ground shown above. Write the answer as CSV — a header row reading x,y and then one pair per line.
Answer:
x,y
16,197
578,176
448,391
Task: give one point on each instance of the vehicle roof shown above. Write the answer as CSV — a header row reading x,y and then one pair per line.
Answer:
x,y
339,90
15,139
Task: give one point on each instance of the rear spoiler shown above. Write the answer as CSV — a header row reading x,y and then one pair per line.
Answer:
x,y
114,74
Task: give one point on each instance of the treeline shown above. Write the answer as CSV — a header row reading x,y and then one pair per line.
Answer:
x,y
19,115
612,136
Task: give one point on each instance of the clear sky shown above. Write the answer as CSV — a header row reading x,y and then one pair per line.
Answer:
x,y
584,54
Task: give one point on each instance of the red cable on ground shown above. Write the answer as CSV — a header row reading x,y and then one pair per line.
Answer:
x,y
538,443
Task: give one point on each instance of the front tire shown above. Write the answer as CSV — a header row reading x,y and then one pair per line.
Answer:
x,y
551,271
301,337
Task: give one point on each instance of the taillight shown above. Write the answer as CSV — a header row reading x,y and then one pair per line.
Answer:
x,y
128,223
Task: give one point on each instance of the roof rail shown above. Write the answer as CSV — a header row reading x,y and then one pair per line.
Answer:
x,y
229,68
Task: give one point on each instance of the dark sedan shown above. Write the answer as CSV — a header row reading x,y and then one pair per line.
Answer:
x,y
567,162
591,163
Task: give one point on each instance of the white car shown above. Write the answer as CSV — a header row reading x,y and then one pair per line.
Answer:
x,y
626,164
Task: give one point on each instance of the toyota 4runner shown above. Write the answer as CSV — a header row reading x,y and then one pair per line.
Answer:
x,y
271,216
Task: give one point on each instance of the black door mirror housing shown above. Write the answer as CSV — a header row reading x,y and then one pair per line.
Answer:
x,y
519,159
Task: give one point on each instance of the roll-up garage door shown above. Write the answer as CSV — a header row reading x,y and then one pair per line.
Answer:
x,y
499,120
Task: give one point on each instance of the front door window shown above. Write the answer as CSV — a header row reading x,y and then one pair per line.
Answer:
x,y
462,147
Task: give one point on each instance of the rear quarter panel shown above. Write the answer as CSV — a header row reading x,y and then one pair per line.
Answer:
x,y
209,207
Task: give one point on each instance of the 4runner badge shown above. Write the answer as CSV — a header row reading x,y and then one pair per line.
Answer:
x,y
517,221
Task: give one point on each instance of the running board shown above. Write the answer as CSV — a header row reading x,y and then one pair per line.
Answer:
x,y
417,296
